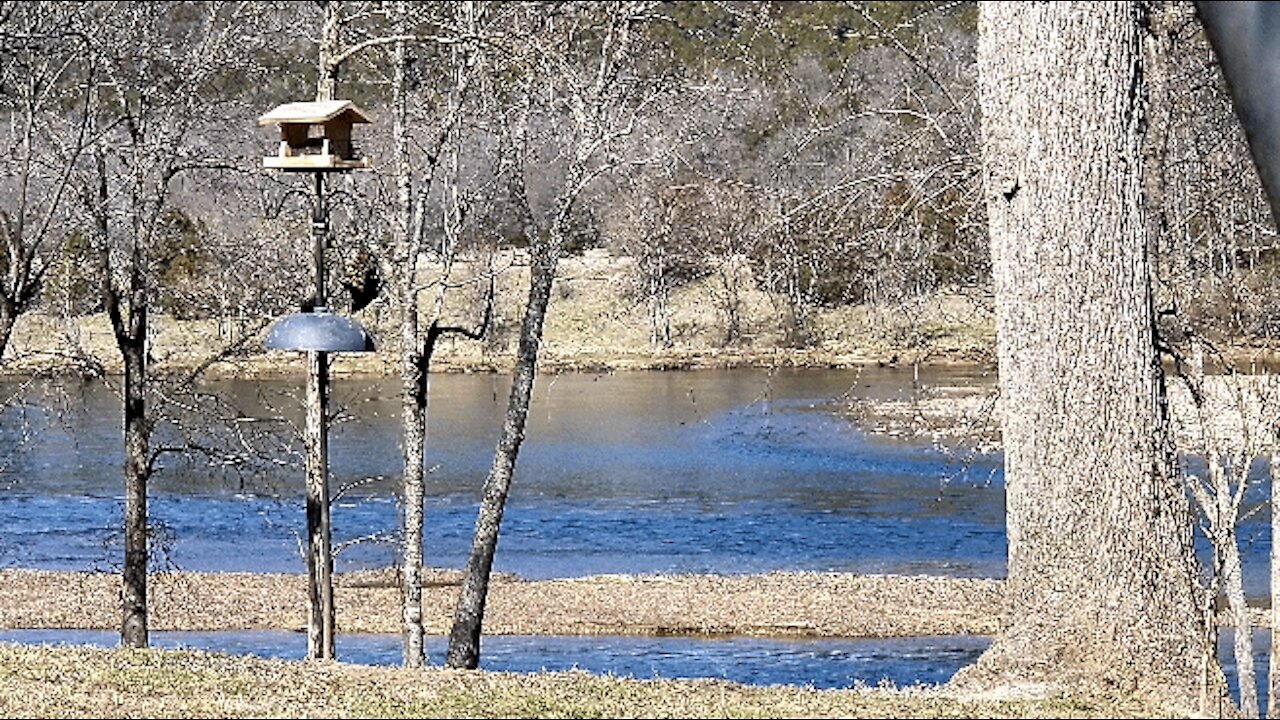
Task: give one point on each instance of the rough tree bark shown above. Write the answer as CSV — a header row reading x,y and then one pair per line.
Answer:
x,y
1102,577
413,381
1273,672
464,638
320,608
126,307
131,337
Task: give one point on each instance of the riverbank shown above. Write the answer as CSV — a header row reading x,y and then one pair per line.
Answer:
x,y
80,681
1233,413
597,320
776,604
88,682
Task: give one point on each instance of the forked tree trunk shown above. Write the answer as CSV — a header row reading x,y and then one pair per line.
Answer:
x,y
1102,577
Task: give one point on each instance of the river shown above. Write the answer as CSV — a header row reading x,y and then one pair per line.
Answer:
x,y
719,471
726,471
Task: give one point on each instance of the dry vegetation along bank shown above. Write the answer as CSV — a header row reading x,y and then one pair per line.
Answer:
x,y
597,320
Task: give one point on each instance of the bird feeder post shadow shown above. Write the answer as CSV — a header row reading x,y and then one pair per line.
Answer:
x,y
316,138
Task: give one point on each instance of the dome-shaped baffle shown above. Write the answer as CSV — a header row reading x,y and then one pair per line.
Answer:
x,y
319,330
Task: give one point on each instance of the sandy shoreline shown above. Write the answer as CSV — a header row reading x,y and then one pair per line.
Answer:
x,y
775,604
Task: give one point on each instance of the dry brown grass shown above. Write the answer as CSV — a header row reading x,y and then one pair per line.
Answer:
x,y
596,320
777,604
87,682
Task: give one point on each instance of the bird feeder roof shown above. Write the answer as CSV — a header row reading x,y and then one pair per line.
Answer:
x,y
314,113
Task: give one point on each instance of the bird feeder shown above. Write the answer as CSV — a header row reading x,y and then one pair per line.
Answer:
x,y
316,136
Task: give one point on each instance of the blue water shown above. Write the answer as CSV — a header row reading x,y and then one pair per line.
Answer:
x,y
726,471
821,663
814,662
720,472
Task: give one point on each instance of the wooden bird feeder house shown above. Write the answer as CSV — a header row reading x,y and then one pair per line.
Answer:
x,y
316,136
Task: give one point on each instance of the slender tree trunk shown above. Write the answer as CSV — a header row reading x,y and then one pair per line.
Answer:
x,y
413,378
1233,588
1102,579
330,42
8,318
464,639
414,429
321,624
133,629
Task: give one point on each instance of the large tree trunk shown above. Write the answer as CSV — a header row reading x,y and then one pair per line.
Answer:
x,y
464,639
1102,578
1273,671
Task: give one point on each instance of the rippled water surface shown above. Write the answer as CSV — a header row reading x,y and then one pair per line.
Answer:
x,y
717,471
720,471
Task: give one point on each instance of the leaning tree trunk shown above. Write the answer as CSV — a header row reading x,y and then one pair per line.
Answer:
x,y
464,638
9,312
1102,577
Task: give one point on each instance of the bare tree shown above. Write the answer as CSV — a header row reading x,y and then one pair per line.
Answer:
x,y
434,167
1239,34
157,63
580,65
48,76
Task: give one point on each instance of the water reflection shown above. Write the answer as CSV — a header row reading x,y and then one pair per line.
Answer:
x,y
823,663
717,471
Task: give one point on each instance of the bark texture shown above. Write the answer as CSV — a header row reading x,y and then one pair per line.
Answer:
x,y
413,378
1273,676
320,616
133,629
1102,578
464,638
